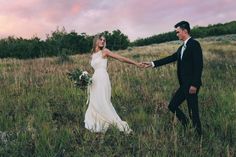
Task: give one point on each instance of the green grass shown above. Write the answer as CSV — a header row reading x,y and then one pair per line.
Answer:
x,y
41,113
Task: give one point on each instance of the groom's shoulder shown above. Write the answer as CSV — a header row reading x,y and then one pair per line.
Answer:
x,y
194,41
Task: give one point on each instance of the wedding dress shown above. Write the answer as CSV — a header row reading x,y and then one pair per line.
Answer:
x,y
101,113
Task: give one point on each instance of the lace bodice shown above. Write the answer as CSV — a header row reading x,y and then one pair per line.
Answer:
x,y
98,62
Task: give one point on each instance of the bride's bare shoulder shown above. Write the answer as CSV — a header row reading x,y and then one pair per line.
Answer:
x,y
106,52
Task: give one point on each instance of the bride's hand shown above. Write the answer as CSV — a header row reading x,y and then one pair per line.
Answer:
x,y
147,64
140,65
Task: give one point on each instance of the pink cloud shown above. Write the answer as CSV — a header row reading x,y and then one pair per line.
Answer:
x,y
136,18
75,9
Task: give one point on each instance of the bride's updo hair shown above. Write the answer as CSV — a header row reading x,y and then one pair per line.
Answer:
x,y
95,39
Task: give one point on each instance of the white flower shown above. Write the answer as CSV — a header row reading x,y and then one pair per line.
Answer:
x,y
85,73
3,136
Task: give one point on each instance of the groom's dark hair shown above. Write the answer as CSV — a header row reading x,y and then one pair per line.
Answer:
x,y
183,25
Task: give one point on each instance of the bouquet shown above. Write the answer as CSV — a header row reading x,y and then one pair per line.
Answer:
x,y
81,78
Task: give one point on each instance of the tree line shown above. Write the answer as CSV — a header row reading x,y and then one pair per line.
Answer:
x,y
196,32
61,42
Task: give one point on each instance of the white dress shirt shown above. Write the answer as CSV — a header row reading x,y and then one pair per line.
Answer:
x,y
184,47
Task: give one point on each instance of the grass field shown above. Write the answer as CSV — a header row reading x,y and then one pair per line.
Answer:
x,y
41,112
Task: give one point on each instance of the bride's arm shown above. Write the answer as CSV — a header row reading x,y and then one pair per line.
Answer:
x,y
108,53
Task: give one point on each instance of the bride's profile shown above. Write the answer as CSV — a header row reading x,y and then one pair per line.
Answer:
x,y
100,113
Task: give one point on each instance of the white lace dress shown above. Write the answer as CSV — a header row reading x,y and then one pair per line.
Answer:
x,y
101,113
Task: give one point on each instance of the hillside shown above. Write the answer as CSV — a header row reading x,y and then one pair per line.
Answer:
x,y
196,32
41,113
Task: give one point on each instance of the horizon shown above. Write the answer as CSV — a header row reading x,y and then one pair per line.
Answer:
x,y
136,19
110,32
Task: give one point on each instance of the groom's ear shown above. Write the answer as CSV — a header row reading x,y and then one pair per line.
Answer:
x,y
185,31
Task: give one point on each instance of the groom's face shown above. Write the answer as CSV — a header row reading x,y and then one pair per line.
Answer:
x,y
181,33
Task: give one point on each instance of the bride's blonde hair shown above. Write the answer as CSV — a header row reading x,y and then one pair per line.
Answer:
x,y
95,39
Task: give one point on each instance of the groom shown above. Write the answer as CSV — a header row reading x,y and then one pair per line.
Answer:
x,y
189,71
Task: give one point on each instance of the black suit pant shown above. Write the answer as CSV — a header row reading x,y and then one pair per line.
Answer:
x,y
192,101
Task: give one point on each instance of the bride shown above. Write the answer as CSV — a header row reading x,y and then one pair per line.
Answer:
x,y
101,113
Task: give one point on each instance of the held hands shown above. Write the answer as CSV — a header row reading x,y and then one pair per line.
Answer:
x,y
143,64
140,65
147,64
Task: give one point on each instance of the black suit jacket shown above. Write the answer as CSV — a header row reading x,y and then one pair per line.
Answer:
x,y
189,69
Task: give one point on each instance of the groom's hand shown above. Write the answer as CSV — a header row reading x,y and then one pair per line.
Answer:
x,y
140,65
192,90
147,64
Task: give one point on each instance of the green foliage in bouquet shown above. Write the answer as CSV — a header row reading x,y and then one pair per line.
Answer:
x,y
81,78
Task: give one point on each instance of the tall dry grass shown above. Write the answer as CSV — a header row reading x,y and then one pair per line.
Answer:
x,y
41,113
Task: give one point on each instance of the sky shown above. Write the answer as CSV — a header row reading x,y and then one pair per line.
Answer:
x,y
135,18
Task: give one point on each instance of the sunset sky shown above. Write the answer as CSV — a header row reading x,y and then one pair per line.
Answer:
x,y
135,18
